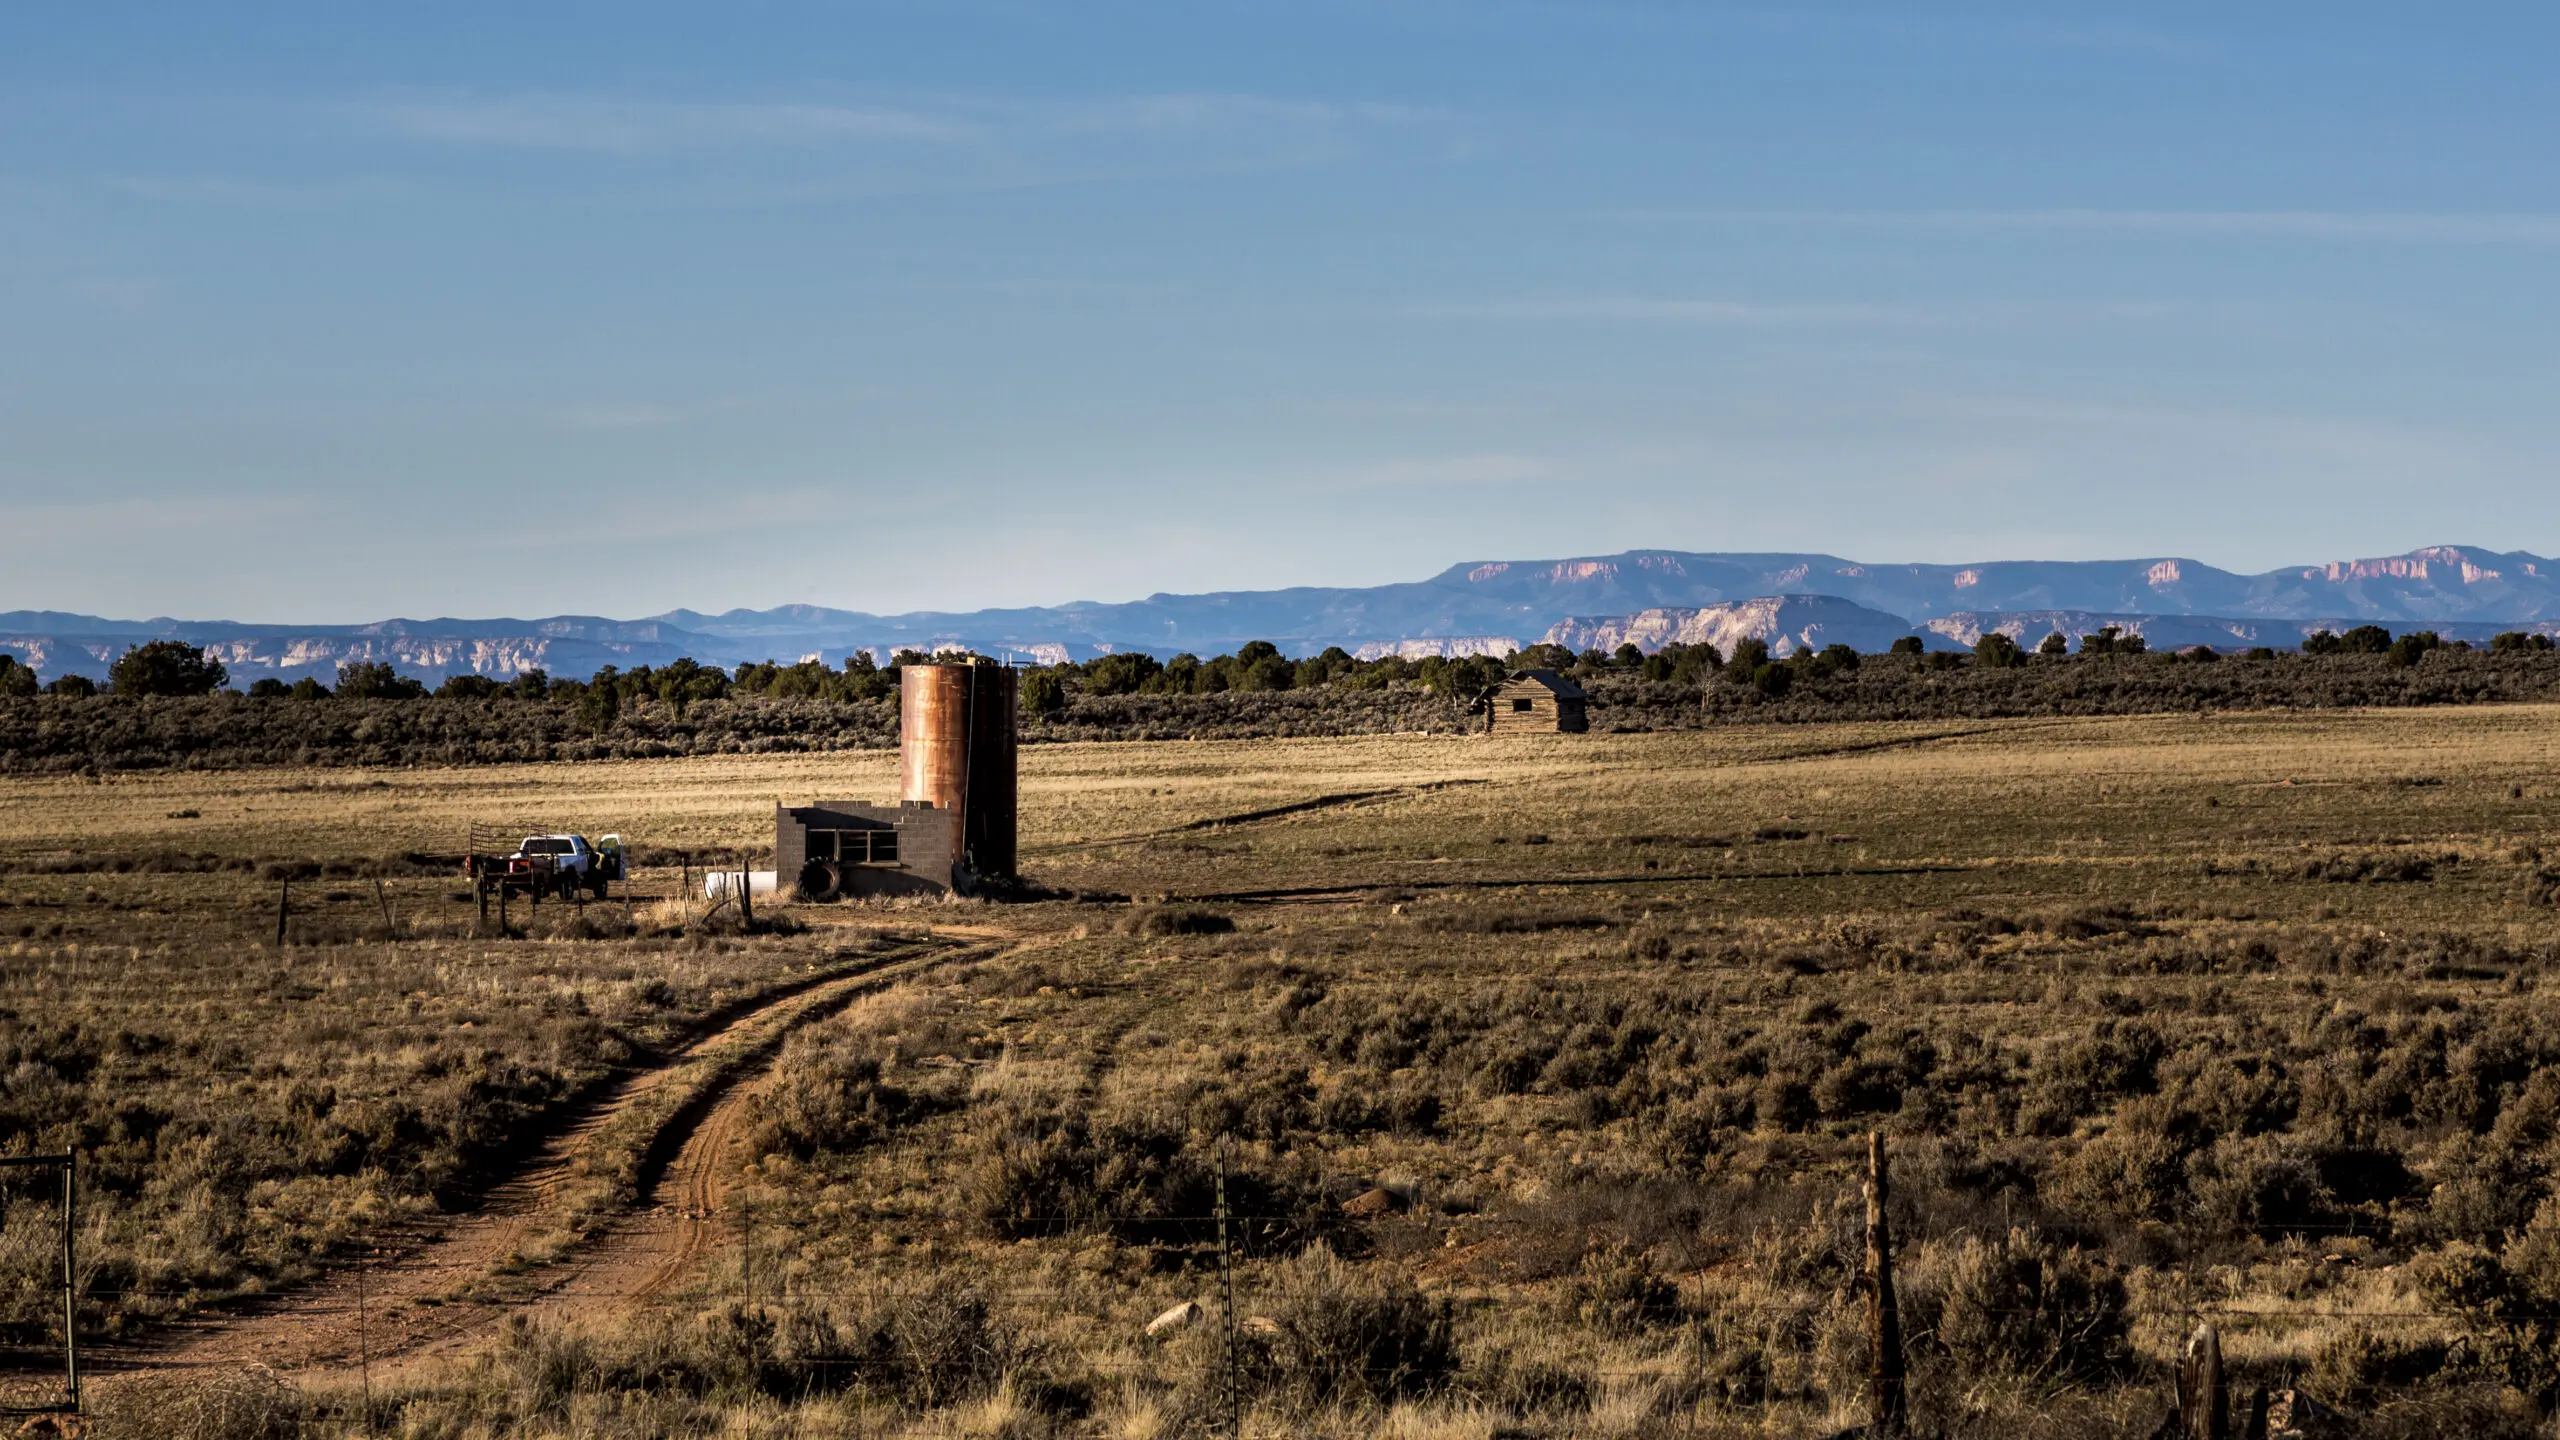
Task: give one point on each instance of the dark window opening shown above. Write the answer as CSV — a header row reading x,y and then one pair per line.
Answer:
x,y
1523,707
855,847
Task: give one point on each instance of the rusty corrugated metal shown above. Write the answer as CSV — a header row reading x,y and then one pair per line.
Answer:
x,y
994,695
956,751
933,733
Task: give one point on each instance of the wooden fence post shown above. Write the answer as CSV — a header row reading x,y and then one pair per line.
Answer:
x,y
1227,1304
71,1277
2204,1407
284,909
1888,1402
382,897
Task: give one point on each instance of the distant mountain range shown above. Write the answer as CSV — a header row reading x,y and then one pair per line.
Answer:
x,y
1647,596
1788,623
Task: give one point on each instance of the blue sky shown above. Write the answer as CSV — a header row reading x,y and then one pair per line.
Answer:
x,y
321,312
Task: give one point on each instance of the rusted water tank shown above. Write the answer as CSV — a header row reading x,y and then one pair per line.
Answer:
x,y
956,750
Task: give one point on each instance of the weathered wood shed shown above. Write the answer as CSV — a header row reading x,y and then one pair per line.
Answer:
x,y
1536,702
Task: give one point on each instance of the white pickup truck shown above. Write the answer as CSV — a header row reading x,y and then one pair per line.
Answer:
x,y
564,864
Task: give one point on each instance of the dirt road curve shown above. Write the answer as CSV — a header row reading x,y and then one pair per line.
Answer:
x,y
445,1283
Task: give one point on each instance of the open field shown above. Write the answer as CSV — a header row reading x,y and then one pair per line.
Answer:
x,y
2234,1016
831,711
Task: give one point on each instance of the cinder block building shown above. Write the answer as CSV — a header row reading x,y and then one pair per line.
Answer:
x,y
856,850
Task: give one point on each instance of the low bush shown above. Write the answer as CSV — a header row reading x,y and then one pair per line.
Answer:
x,y
245,1404
2024,1307
1344,1335
1178,920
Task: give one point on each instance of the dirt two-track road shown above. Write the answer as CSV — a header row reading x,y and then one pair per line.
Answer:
x,y
439,1287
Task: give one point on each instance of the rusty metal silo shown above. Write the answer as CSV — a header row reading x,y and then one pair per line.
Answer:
x,y
956,750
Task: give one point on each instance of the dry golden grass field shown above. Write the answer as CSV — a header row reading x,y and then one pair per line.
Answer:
x,y
1536,1074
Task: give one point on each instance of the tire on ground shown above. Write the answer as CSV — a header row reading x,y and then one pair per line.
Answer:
x,y
818,880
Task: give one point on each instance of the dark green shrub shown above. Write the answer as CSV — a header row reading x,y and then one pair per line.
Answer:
x,y
2411,648
379,680
166,667
601,705
1122,674
1043,694
2105,640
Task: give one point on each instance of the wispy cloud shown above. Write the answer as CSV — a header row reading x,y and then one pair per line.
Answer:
x,y
1437,471
1209,111
128,295
632,126
1816,314
2416,227
238,189
1906,25
641,416
588,123
83,519
2331,439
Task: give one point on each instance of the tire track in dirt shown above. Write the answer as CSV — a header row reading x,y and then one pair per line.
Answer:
x,y
449,1280
1344,800
648,1252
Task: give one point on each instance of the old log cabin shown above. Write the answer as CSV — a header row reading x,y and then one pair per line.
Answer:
x,y
1535,702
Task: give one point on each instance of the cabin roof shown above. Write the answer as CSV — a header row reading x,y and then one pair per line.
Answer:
x,y
1552,682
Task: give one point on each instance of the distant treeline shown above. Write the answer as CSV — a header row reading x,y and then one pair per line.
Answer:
x,y
167,708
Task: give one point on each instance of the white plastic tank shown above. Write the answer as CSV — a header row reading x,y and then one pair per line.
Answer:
x,y
722,884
